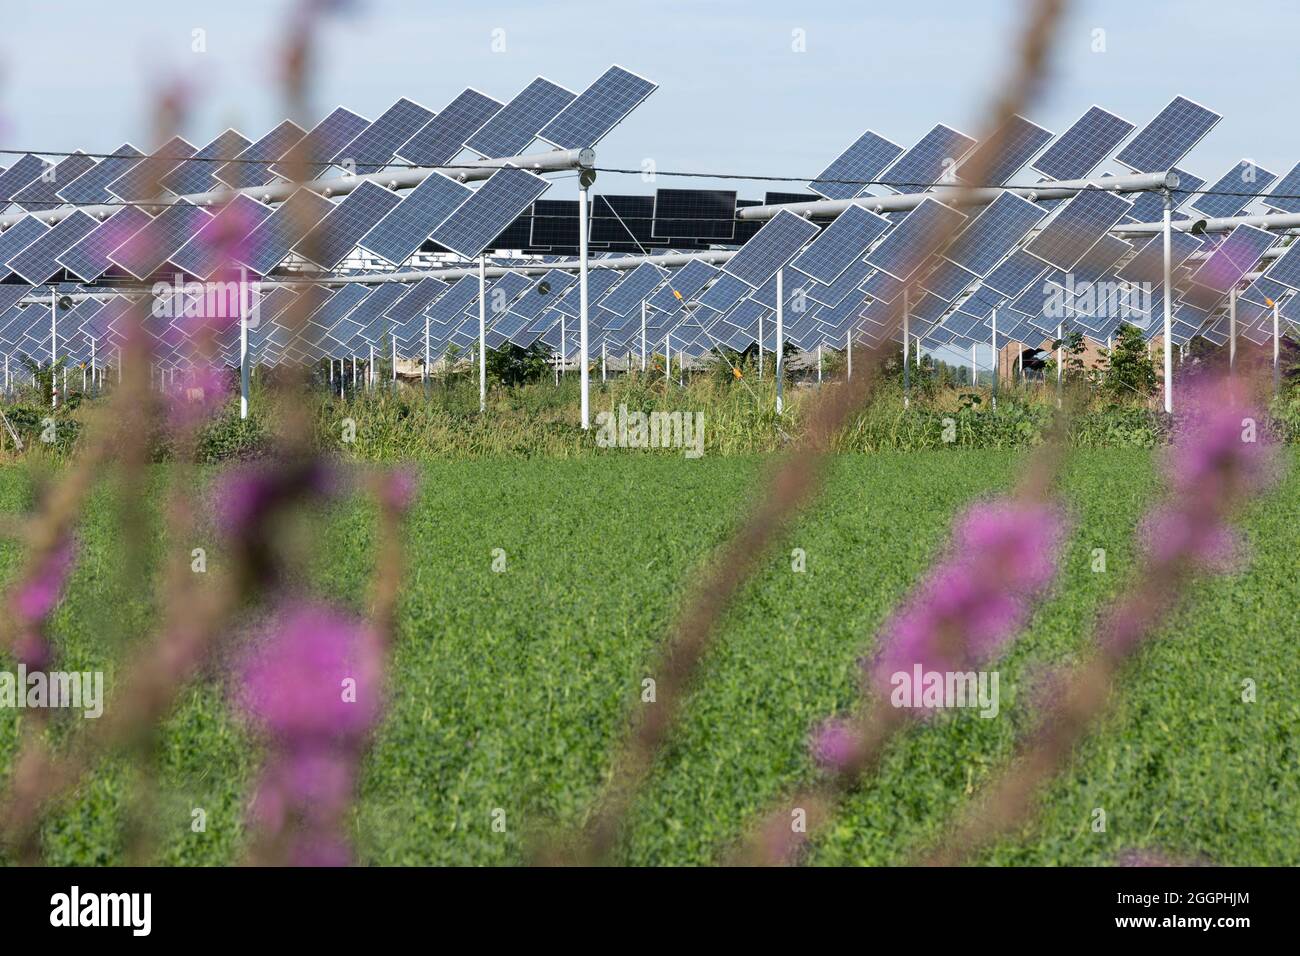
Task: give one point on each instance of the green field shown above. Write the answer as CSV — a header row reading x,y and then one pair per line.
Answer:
x,y
510,689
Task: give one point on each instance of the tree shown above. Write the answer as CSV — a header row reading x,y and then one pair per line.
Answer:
x,y
511,365
1129,369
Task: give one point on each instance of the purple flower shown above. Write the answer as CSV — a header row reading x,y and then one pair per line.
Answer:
x,y
833,743
36,597
399,489
243,497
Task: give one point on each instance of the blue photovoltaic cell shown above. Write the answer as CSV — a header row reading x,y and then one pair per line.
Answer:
x,y
1169,137
681,286
43,192
308,158
211,247
899,254
1263,292
416,299
1101,258
1149,206
270,242
927,162
19,236
599,281
330,240
144,253
850,280
1091,139
1077,227
1234,257
1005,152
534,302
375,146
1147,264
1234,191
848,175
453,302
882,286
723,294
91,186
993,233
18,176
639,283
441,139
1285,269
597,110
340,304
771,248
1015,273
37,263
423,209
9,297
1286,194
948,281
198,173
493,206
141,181
88,259
842,243
517,124
252,167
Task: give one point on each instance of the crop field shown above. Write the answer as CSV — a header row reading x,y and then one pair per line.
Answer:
x,y
538,590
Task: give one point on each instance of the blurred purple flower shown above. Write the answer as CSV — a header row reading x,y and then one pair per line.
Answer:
x,y
244,496
36,597
833,743
399,489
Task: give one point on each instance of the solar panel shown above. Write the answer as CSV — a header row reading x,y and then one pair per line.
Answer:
x,y
1077,227
90,187
1006,151
43,192
342,302
145,252
19,236
1285,269
330,240
948,281
623,219
899,254
928,161
416,299
441,139
642,280
771,248
1147,264
534,302
708,214
841,244
1286,194
1234,257
681,286
375,146
308,158
599,281
37,263
270,242
850,172
517,124
493,206
252,167
142,181
21,174
1091,139
1263,292
197,174
882,286
849,281
597,110
401,232
213,247
1234,191
993,233
453,302
88,259
1169,137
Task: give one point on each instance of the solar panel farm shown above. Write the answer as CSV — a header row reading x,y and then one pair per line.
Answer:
x,y
445,477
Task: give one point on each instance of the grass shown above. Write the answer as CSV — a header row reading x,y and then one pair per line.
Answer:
x,y
510,689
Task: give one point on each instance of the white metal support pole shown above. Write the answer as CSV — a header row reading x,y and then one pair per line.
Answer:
x,y
819,363
760,346
424,372
564,343
1277,368
907,341
370,368
848,352
482,333
243,354
668,356
93,363
1060,359
779,343
643,335
1169,308
995,359
603,377
681,368
1232,329
582,301
394,359
54,347
974,369
354,371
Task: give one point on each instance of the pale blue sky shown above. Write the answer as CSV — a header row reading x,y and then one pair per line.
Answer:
x,y
733,94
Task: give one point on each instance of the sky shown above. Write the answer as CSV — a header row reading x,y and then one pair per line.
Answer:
x,y
758,88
